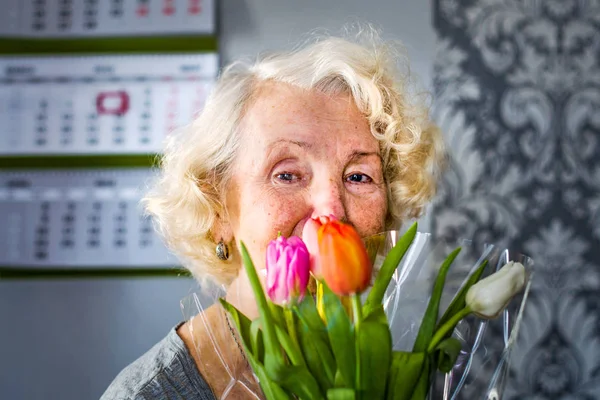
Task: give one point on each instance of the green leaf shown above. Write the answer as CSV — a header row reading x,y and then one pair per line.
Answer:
x,y
431,314
446,330
341,335
446,354
273,357
293,352
250,333
271,389
404,374
341,394
377,314
318,356
375,346
458,302
277,313
422,387
338,381
314,342
391,262
300,382
256,341
308,315
241,322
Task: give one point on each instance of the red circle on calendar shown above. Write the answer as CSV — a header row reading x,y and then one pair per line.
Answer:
x,y
112,103
142,11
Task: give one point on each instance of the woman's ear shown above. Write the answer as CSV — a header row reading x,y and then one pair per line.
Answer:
x,y
221,230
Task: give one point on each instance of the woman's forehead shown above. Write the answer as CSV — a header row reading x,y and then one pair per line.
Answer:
x,y
283,111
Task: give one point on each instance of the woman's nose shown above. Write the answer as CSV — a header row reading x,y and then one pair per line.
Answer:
x,y
327,199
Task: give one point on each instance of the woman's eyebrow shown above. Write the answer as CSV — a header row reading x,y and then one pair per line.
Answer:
x,y
299,143
357,154
279,146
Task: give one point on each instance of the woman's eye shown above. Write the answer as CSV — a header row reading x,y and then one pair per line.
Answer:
x,y
359,178
287,177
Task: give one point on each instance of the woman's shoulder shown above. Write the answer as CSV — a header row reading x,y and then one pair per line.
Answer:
x,y
165,371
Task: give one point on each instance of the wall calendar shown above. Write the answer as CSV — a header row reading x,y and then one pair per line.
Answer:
x,y
99,104
82,218
89,18
89,90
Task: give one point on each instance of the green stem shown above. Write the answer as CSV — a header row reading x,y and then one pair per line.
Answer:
x,y
291,325
293,352
447,327
357,313
356,310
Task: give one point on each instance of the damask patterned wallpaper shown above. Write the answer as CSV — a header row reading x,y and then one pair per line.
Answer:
x,y
517,87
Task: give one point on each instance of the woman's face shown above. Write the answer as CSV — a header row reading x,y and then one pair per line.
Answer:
x,y
303,154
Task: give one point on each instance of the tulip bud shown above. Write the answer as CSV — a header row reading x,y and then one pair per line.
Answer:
x,y
288,270
488,297
343,259
309,237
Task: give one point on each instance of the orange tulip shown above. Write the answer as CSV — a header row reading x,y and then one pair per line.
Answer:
x,y
345,264
311,240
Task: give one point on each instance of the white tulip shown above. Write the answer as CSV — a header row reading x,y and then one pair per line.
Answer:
x,y
488,297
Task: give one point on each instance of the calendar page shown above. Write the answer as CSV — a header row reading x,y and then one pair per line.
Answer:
x,y
87,218
99,104
93,18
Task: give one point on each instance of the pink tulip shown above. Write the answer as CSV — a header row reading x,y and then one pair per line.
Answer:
x,y
288,270
310,238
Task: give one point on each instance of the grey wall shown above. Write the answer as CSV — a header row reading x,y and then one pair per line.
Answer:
x,y
68,339
251,26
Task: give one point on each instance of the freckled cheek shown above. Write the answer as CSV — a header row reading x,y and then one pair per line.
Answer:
x,y
285,213
269,215
368,215
264,220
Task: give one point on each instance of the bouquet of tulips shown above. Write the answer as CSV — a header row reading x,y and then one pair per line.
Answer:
x,y
331,345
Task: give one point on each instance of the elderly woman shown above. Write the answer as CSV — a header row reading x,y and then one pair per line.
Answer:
x,y
327,129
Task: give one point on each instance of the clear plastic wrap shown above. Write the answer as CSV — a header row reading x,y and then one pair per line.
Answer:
x,y
481,369
482,366
220,351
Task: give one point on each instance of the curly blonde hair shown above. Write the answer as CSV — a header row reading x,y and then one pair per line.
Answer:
x,y
186,198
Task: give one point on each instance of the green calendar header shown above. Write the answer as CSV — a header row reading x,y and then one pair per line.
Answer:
x,y
109,45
